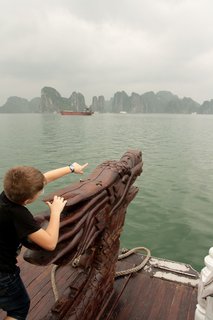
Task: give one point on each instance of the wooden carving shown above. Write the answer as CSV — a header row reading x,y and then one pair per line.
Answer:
x,y
90,228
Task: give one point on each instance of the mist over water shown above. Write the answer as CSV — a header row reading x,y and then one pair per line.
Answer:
x,y
172,213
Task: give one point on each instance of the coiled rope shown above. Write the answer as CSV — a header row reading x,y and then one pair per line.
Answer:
x,y
125,253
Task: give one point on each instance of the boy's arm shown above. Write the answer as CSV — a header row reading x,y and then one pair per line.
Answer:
x,y
48,238
60,172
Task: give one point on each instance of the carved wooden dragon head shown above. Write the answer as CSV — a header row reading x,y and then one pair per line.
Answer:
x,y
90,228
91,204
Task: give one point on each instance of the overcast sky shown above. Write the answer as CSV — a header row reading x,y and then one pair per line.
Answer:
x,y
102,46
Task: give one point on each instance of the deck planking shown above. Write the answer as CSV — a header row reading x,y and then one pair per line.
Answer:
x,y
139,296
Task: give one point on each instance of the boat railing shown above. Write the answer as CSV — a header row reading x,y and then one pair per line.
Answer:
x,y
204,308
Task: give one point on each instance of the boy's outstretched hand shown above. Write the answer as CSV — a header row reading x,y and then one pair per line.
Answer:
x,y
78,168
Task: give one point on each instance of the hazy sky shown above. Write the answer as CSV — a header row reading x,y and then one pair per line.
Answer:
x,y
99,47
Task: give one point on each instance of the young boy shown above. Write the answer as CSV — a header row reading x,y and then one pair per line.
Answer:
x,y
23,185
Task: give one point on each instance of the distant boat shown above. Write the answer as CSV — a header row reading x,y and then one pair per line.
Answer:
x,y
76,113
123,112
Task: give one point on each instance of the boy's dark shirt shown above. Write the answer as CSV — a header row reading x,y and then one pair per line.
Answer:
x,y
16,222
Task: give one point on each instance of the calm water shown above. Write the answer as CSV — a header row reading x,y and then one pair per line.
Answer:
x,y
172,214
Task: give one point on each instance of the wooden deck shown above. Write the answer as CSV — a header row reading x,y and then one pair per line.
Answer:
x,y
140,296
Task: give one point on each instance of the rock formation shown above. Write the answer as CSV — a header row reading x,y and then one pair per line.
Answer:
x,y
98,104
20,105
52,101
148,102
207,107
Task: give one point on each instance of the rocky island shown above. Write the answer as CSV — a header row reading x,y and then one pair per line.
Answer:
x,y
51,101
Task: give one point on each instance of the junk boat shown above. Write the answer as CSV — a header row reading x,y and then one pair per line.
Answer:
x,y
76,113
88,276
86,112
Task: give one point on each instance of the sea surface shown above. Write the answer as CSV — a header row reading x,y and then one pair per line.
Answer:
x,y
172,214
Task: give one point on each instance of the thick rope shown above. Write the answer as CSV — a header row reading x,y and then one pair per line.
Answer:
x,y
134,269
53,282
125,253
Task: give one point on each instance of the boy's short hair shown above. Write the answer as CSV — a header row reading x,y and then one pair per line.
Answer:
x,y
23,183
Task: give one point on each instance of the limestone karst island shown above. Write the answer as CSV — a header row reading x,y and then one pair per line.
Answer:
x,y
51,101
